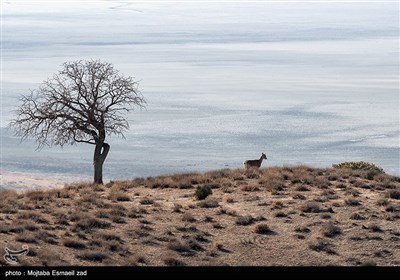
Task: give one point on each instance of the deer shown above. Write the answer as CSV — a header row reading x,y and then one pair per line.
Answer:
x,y
254,163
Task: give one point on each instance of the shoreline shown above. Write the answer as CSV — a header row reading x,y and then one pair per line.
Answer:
x,y
22,181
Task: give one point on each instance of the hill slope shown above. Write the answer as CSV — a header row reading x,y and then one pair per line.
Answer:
x,y
273,216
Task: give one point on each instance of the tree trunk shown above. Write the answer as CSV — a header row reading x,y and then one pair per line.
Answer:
x,y
100,154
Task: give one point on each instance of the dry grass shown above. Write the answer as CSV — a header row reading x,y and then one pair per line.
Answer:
x,y
274,216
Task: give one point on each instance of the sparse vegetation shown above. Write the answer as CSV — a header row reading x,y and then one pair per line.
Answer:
x,y
172,261
262,229
394,194
360,165
74,244
93,256
323,246
208,204
331,230
352,202
343,218
202,192
311,207
245,220
146,201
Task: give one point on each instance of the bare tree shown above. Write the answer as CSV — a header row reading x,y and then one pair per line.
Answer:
x,y
83,103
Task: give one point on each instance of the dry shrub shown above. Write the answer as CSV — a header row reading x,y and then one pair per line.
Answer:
x,y
263,229
37,195
208,219
177,208
330,230
181,248
352,202
74,244
311,207
245,220
382,202
208,204
29,225
171,260
14,228
187,217
302,188
8,196
118,210
137,212
26,238
298,196
33,216
47,236
250,187
93,256
394,194
278,205
280,214
229,211
64,193
118,196
302,229
375,228
52,257
322,246
146,201
225,182
90,224
272,181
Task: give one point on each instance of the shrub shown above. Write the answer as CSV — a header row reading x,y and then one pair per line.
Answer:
x,y
90,224
311,207
382,202
74,244
146,201
187,217
330,230
322,246
202,192
302,229
302,188
375,228
93,256
352,202
244,220
208,204
181,248
395,194
263,229
171,261
119,196
371,174
280,214
26,238
360,165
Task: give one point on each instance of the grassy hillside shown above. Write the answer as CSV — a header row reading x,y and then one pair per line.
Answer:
x,y
273,216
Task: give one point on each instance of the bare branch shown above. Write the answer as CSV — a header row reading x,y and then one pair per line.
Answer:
x,y
82,103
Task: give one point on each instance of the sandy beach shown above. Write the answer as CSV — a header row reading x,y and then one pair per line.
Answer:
x,y
27,181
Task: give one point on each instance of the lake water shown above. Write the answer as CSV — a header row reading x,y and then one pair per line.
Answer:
x,y
312,83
